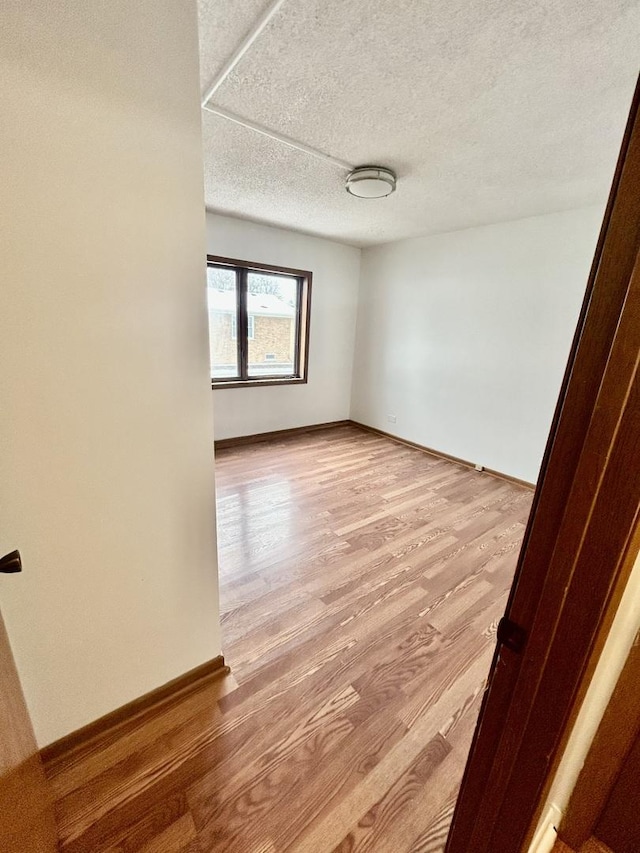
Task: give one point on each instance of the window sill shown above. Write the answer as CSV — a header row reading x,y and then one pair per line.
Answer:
x,y
258,383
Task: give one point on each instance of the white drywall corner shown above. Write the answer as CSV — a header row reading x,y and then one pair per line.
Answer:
x,y
464,336
106,450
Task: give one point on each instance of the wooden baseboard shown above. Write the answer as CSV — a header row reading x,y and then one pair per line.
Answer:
x,y
133,714
441,455
223,443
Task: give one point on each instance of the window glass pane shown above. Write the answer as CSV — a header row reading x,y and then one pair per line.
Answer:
x,y
272,306
223,343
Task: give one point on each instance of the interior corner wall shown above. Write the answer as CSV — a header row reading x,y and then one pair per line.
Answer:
x,y
463,337
106,480
326,396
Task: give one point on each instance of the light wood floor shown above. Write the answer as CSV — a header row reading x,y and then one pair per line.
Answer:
x,y
361,584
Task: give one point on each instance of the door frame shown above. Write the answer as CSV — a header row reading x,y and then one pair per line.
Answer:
x,y
614,739
585,505
27,819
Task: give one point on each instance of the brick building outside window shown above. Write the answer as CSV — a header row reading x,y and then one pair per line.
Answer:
x,y
272,330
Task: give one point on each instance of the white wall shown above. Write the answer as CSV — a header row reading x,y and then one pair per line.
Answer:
x,y
106,481
336,268
464,336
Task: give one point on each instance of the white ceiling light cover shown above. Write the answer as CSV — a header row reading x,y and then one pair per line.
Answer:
x,y
371,182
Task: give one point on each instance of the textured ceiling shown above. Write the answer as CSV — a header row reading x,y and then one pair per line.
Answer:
x,y
487,109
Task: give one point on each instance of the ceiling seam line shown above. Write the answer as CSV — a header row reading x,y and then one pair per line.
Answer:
x,y
278,137
240,51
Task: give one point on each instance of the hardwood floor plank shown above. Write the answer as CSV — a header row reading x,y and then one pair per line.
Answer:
x,y
374,825
361,582
425,820
154,822
326,834
433,838
175,837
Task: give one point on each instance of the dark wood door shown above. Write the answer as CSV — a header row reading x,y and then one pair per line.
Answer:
x,y
580,543
26,815
619,824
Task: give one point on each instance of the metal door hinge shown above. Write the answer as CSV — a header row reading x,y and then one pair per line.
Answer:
x,y
512,636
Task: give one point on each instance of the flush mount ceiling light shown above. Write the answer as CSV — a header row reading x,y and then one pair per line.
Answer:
x,y
371,182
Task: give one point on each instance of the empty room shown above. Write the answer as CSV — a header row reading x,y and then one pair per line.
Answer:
x,y
320,350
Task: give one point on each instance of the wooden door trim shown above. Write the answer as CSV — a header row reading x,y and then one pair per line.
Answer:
x,y
616,734
512,756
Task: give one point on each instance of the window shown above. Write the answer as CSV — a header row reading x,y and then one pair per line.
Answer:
x,y
258,323
234,328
